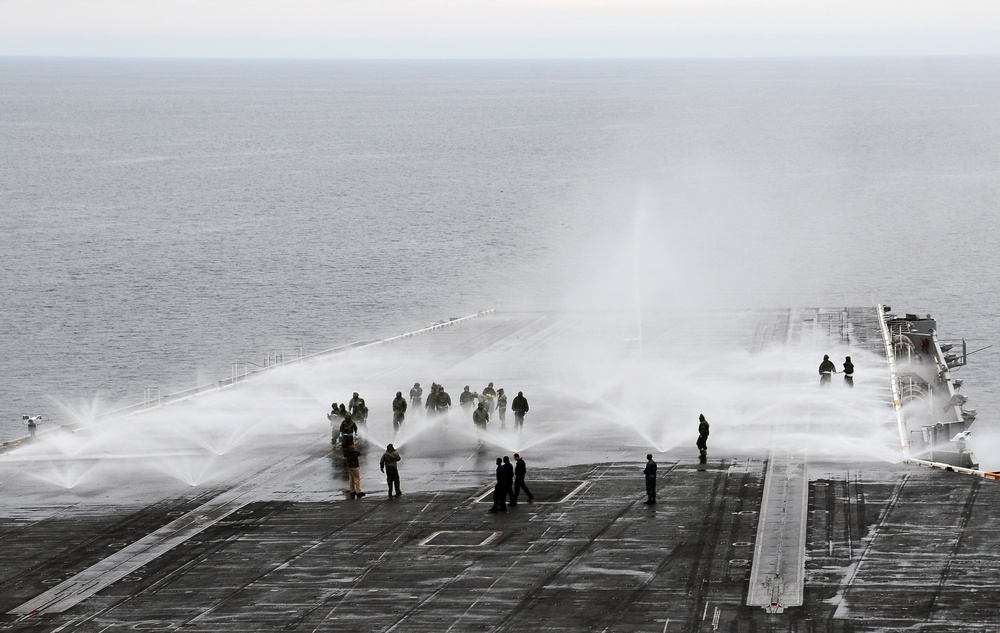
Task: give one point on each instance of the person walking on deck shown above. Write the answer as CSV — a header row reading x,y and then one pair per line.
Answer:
x,y
348,429
398,411
519,471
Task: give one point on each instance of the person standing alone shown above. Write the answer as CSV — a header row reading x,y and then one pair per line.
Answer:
x,y
650,472
702,442
388,465
519,406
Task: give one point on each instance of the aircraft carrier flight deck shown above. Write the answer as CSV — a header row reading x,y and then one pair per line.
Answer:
x,y
226,509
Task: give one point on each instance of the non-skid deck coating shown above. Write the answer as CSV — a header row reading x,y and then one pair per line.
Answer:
x,y
887,547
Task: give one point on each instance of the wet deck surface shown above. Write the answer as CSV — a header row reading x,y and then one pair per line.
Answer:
x,y
888,547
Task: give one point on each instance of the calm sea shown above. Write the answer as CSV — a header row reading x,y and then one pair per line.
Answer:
x,y
162,219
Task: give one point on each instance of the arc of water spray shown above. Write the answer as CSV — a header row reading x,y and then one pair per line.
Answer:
x,y
636,274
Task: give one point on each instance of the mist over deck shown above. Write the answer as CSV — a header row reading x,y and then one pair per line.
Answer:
x,y
227,510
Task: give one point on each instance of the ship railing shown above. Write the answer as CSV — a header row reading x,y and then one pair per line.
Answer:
x,y
279,355
151,397
952,468
241,370
887,339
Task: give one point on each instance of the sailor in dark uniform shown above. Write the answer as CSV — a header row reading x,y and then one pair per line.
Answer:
x,y
519,406
848,372
702,442
501,488
519,471
826,370
465,400
398,411
650,473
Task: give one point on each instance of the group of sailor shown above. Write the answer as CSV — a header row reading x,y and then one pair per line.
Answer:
x,y
483,404
349,415
346,418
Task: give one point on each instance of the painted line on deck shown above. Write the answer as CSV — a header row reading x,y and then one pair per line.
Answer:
x,y
125,561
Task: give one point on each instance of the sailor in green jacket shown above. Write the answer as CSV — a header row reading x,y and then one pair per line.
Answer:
x,y
388,466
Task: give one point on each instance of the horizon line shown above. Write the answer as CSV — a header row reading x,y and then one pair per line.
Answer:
x,y
499,58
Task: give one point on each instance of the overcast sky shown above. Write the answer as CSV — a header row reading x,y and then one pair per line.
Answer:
x,y
498,28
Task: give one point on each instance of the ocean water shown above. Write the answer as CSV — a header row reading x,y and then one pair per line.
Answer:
x,y
163,219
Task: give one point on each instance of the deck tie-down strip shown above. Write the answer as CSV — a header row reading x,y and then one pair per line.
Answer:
x,y
127,560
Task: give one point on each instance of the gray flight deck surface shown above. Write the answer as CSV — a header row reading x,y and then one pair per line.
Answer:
x,y
227,511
